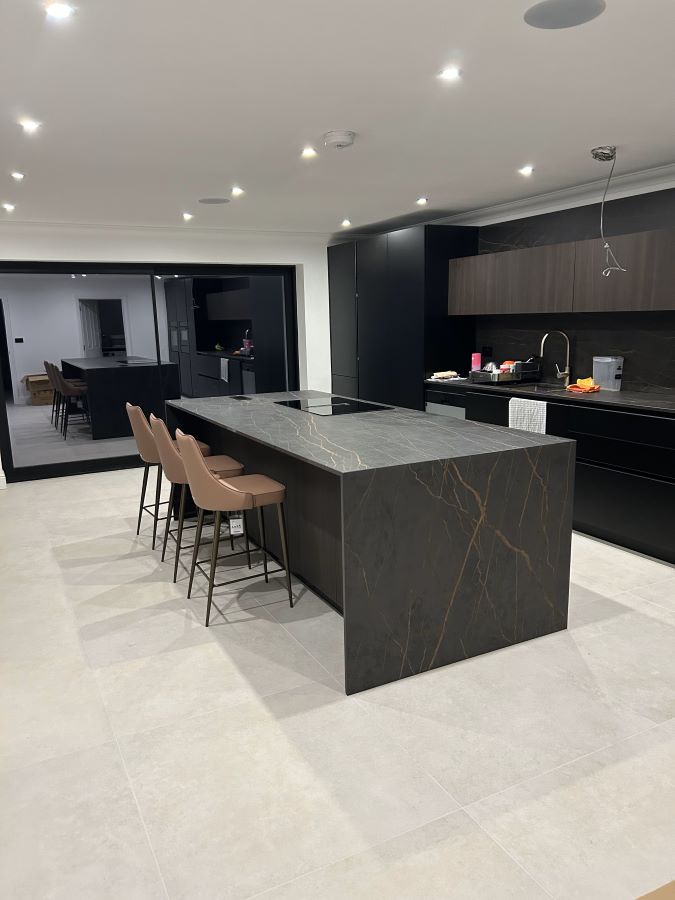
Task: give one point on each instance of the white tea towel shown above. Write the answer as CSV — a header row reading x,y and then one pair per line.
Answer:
x,y
224,369
528,415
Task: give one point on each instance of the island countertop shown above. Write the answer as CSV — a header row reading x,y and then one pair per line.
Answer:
x,y
88,364
358,442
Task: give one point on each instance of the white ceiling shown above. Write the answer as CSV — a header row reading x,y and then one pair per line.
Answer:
x,y
148,105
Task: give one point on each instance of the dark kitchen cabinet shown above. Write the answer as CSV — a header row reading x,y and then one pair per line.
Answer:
x,y
647,284
268,306
342,297
535,279
179,314
388,311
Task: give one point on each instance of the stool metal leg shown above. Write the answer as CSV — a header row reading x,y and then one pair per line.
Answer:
x,y
263,540
179,536
146,469
248,546
195,552
214,557
169,514
158,494
284,548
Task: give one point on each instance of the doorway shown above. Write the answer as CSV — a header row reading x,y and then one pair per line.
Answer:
x,y
103,328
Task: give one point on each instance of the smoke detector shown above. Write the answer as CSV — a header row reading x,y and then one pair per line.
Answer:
x,y
338,140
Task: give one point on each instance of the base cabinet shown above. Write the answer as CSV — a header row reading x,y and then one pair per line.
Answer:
x,y
625,471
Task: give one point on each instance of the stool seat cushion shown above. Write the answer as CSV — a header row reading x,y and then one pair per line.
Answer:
x,y
256,490
223,465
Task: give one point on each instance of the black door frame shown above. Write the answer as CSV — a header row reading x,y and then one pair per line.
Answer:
x,y
195,270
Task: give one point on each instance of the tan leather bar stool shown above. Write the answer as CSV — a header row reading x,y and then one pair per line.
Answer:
x,y
174,471
147,450
70,392
218,495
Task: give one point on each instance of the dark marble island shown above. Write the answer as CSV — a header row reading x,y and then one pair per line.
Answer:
x,y
112,381
437,539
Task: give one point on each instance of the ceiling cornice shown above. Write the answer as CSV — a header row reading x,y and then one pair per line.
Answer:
x,y
643,182
186,232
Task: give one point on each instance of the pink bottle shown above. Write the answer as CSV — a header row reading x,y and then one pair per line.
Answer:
x,y
475,362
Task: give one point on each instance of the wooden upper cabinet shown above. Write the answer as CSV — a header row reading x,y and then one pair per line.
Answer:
x,y
647,284
535,279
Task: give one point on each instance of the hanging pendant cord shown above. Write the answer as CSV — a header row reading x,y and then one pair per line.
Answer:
x,y
612,264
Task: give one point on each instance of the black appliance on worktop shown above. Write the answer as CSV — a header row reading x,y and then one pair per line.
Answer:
x,y
211,318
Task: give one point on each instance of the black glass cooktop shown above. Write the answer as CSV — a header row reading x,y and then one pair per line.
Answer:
x,y
335,406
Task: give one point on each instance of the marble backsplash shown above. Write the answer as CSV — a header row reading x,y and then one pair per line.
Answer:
x,y
645,340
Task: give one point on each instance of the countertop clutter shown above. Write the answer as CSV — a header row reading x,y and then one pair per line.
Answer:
x,y
652,401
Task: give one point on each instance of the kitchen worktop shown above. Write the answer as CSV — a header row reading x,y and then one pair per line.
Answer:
x,y
110,362
222,354
659,402
351,443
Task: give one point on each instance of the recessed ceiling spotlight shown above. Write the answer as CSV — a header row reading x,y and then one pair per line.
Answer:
x,y
563,13
214,201
8,207
450,73
17,176
84,276
73,276
187,216
59,10
345,223
30,126
237,191
422,201
308,153
158,277
526,171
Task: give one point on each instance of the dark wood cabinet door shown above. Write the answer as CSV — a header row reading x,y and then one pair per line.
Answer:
x,y
647,284
343,316
535,279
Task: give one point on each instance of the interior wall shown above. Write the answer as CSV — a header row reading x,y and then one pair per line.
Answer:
x,y
44,311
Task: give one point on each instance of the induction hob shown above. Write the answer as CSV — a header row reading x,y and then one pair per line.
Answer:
x,y
333,406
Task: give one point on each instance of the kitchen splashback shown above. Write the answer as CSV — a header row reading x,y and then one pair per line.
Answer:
x,y
645,340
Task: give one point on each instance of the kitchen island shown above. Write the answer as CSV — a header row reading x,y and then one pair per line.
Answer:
x,y
112,381
436,539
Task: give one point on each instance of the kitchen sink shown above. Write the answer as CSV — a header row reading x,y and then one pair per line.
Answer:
x,y
543,388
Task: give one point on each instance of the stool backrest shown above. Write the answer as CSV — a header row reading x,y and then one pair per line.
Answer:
x,y
145,442
50,375
172,461
207,490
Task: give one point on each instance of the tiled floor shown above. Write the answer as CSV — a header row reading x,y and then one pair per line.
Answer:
x,y
144,756
36,442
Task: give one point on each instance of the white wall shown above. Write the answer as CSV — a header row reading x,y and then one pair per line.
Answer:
x,y
44,311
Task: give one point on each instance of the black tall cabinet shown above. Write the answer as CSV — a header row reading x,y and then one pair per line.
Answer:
x,y
388,311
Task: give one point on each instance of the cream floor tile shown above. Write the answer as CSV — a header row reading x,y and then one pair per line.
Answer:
x,y
48,709
661,593
449,859
608,569
318,627
631,657
600,827
70,829
156,690
140,634
37,624
270,659
490,722
98,603
247,797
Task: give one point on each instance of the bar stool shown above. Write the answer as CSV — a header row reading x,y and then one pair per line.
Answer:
x,y
147,450
70,393
174,470
218,495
